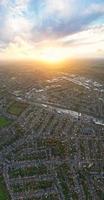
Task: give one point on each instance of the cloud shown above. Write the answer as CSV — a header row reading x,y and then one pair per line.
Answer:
x,y
15,23
87,43
47,18
100,52
64,17
95,8
28,25
91,35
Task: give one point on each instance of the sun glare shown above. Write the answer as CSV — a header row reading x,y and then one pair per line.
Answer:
x,y
53,55
51,58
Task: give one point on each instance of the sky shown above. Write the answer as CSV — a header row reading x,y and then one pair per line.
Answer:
x,y
51,30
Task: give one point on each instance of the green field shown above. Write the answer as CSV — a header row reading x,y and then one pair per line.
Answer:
x,y
4,122
4,195
17,108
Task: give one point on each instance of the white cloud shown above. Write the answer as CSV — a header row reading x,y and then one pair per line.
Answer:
x,y
65,9
95,8
15,24
85,43
93,34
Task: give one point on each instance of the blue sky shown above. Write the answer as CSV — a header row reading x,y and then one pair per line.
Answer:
x,y
36,28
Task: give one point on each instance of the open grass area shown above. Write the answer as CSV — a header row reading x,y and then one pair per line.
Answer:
x,y
17,108
4,194
4,122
